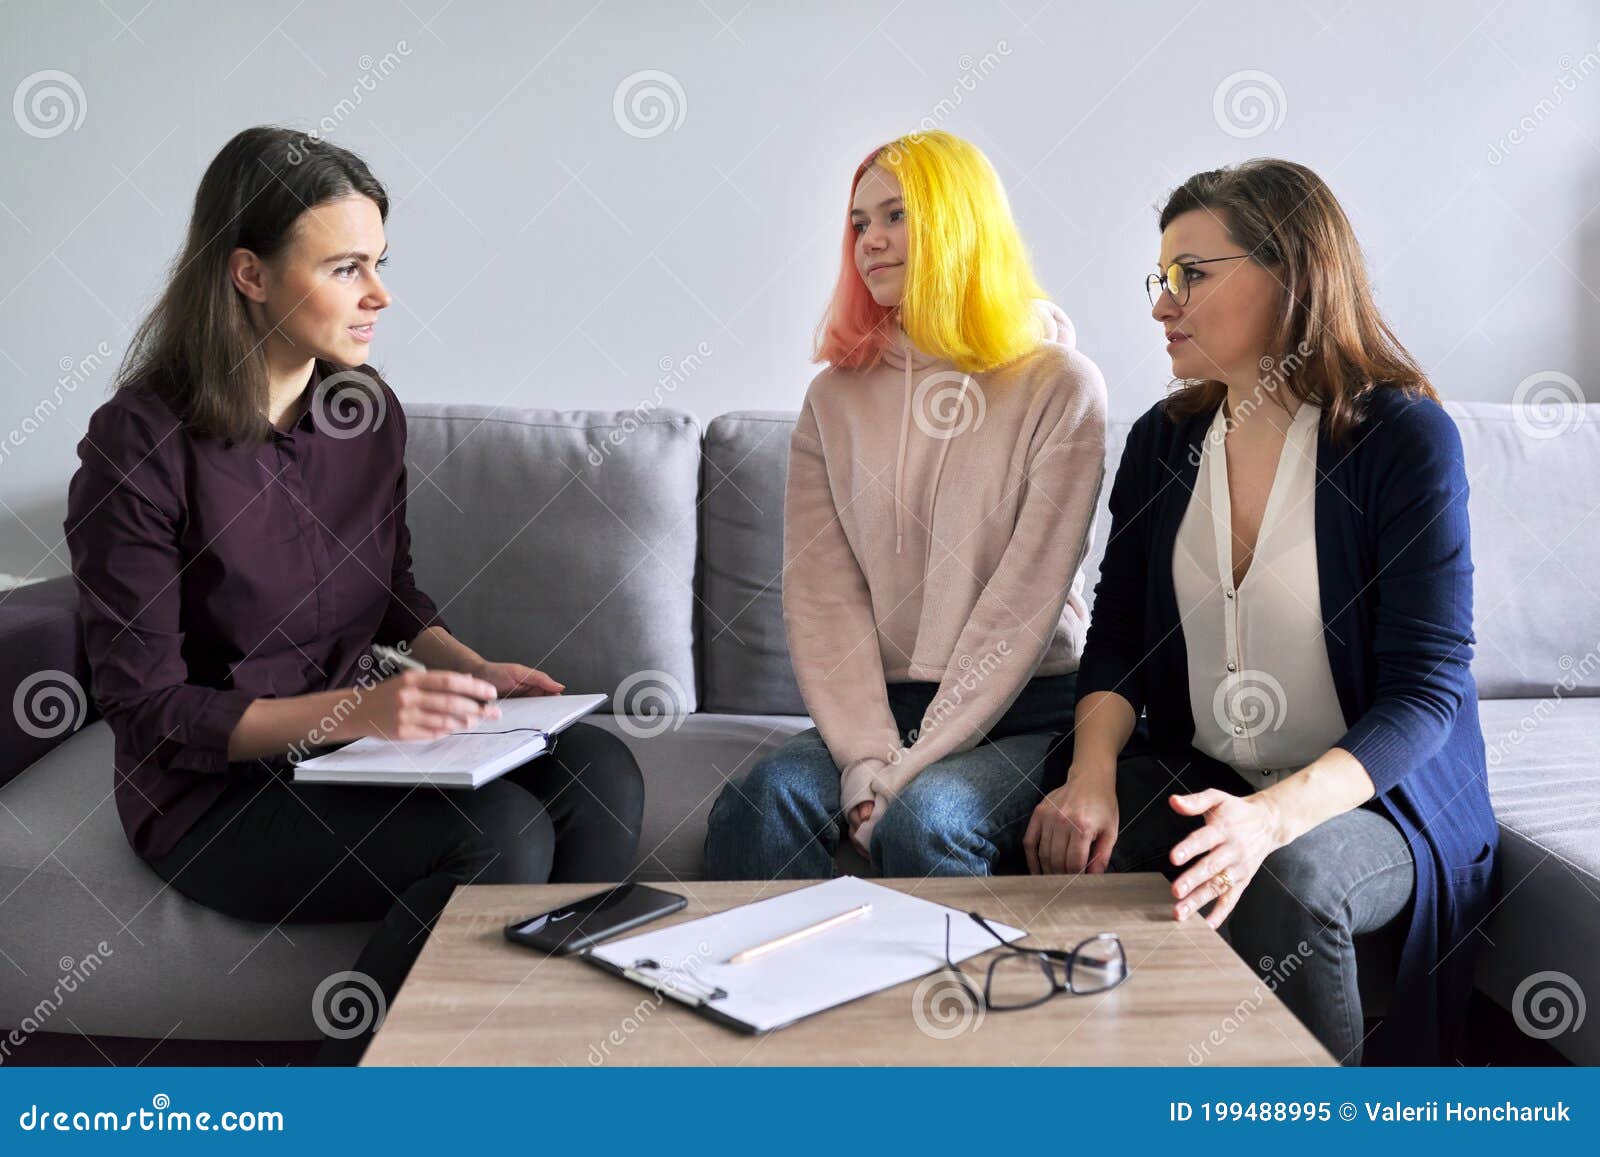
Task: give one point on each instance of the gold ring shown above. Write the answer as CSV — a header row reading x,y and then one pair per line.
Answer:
x,y
1222,881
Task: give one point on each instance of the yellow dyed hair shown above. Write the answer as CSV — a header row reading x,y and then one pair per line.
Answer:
x,y
970,289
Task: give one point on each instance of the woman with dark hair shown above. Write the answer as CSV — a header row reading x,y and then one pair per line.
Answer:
x,y
1287,596
238,534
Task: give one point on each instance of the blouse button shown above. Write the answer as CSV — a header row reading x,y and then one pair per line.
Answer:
x,y
1232,666
1230,592
1238,729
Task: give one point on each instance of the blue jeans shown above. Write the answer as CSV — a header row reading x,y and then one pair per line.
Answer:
x,y
964,815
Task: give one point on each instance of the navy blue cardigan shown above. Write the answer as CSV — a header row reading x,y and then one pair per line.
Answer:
x,y
1395,569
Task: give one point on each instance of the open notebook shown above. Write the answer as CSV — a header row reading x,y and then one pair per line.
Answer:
x,y
900,939
526,728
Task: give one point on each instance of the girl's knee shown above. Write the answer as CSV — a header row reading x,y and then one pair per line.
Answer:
x,y
927,837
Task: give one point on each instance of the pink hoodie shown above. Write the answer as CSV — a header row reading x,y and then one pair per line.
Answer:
x,y
934,529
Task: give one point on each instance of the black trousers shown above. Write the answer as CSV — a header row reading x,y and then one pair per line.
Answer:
x,y
273,851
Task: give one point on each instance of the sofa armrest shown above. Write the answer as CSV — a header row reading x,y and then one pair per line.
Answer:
x,y
44,674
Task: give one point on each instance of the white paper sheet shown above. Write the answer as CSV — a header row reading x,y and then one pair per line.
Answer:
x,y
462,759
901,939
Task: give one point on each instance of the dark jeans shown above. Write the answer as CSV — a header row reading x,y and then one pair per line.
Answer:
x,y
277,852
1296,921
964,815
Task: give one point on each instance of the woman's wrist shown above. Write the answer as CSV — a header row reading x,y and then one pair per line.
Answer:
x,y
1285,820
437,648
1087,768
272,727
1330,785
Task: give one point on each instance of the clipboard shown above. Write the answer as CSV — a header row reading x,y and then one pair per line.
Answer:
x,y
901,939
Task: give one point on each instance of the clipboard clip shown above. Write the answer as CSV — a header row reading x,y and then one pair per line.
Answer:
x,y
680,984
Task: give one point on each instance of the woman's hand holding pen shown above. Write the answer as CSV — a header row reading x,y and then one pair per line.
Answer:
x,y
419,705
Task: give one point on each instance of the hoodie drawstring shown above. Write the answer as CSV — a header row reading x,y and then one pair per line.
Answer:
x,y
938,473
900,463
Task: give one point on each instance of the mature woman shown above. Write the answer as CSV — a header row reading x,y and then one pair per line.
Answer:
x,y
1287,596
239,544
942,480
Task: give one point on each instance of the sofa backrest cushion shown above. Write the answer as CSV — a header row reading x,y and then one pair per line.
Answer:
x,y
744,654
1535,508
562,540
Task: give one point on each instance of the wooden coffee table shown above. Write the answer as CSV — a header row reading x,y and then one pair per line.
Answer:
x,y
475,999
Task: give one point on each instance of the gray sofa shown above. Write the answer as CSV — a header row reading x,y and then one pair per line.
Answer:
x,y
628,553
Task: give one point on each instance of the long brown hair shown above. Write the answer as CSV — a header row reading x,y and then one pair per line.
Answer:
x,y
197,346
1331,346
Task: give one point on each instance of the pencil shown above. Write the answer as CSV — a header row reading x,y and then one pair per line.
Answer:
x,y
799,934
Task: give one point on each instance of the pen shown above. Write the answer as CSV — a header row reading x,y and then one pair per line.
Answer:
x,y
800,934
390,657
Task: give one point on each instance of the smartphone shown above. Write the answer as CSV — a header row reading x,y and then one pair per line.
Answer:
x,y
575,926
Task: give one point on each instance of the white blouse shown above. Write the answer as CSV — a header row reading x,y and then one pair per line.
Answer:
x,y
1260,686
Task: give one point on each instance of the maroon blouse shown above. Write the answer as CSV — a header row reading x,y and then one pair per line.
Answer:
x,y
211,573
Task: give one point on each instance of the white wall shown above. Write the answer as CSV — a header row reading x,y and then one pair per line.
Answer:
x,y
543,256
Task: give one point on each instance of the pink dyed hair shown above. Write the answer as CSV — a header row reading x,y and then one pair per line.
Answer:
x,y
856,329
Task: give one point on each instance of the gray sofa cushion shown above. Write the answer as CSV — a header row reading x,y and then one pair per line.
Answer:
x,y
745,657
1536,550
69,881
561,540
1544,778
68,877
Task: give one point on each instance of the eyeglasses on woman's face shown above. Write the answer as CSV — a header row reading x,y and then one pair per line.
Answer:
x,y
1178,277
